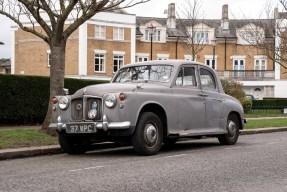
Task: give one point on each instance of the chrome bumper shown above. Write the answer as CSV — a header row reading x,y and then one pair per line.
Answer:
x,y
105,125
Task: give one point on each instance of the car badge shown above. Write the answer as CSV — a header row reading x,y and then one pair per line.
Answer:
x,y
79,107
94,105
85,91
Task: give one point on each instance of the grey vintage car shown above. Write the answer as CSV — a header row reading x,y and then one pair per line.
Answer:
x,y
148,104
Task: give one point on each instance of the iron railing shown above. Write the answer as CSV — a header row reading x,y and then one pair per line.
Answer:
x,y
247,75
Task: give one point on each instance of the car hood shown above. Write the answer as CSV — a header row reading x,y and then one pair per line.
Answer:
x,y
101,89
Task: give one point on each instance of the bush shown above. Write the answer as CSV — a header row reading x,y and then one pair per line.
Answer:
x,y
24,99
234,89
247,105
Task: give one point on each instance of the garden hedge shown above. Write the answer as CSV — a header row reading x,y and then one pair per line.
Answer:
x,y
269,103
24,99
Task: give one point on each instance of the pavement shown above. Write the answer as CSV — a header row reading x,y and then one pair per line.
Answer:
x,y
6,154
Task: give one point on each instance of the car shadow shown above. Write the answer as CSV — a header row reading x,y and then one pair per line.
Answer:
x,y
115,149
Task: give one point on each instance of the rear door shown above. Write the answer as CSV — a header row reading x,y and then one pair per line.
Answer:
x,y
213,100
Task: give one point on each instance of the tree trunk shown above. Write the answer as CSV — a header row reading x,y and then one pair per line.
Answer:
x,y
57,74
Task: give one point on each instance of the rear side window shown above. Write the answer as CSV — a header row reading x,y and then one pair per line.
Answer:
x,y
186,77
207,80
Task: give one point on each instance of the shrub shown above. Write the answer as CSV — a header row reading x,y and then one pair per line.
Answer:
x,y
234,89
247,105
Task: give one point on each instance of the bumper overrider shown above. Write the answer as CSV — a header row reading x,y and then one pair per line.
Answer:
x,y
91,126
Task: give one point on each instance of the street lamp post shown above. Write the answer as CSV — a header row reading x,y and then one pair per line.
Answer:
x,y
214,43
151,30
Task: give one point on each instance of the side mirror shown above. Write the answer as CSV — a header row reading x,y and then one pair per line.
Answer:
x,y
66,91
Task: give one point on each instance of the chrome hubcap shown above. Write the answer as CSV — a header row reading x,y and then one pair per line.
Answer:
x,y
151,134
231,128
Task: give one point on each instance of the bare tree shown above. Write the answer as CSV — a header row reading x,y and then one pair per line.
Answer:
x,y
54,32
191,17
269,35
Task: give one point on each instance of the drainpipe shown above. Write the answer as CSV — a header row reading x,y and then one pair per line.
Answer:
x,y
224,53
176,45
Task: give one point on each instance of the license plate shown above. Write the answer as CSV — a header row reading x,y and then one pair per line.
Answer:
x,y
81,128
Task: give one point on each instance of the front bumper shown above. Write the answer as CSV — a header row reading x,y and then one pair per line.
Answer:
x,y
105,125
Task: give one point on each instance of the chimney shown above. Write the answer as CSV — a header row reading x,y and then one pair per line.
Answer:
x,y
276,13
225,20
171,20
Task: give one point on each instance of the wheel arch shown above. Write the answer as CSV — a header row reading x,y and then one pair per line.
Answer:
x,y
159,111
238,117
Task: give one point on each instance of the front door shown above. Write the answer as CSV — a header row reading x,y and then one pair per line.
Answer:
x,y
190,103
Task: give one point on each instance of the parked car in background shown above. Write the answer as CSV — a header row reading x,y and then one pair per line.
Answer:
x,y
250,97
148,103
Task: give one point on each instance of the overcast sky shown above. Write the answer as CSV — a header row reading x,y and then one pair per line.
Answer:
x,y
155,8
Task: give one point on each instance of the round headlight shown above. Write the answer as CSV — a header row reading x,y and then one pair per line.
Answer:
x,y
63,102
92,113
110,100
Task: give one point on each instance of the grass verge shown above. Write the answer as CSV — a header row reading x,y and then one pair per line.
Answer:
x,y
17,138
263,123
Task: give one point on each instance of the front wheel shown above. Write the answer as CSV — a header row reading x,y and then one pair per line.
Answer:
x,y
73,144
148,135
231,137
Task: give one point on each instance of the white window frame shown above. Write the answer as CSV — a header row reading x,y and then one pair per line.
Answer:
x,y
118,33
259,66
238,59
100,32
118,54
49,57
260,58
201,37
162,57
140,57
208,59
156,36
102,58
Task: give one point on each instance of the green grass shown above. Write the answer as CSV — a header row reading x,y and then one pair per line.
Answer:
x,y
16,138
263,123
265,113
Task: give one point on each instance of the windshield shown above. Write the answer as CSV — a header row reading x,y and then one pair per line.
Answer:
x,y
159,73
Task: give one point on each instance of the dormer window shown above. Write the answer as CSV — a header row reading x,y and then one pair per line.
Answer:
x,y
155,36
201,37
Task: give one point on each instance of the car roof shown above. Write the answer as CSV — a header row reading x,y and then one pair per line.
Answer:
x,y
162,62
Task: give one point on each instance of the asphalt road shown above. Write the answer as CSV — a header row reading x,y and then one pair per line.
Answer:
x,y
256,163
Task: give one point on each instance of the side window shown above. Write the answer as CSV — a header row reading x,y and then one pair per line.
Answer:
x,y
186,77
207,80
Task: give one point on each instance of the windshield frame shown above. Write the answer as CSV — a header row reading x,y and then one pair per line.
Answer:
x,y
142,73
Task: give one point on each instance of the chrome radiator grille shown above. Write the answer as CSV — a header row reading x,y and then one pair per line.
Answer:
x,y
81,106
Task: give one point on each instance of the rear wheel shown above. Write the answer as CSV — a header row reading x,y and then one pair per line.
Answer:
x,y
73,144
148,135
231,137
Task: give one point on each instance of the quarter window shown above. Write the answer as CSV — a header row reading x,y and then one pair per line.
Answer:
x,y
99,62
207,80
186,77
118,33
118,62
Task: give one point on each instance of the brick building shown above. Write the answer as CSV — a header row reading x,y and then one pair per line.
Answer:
x,y
109,40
